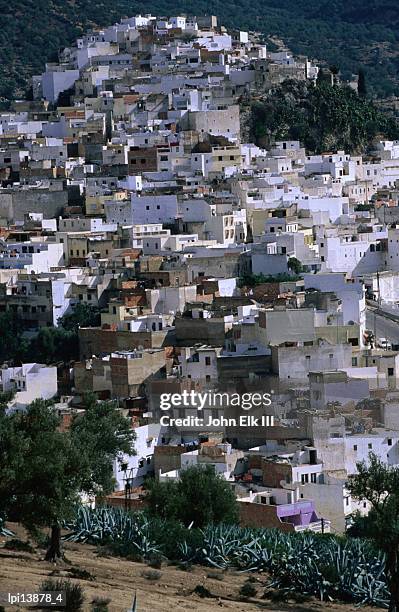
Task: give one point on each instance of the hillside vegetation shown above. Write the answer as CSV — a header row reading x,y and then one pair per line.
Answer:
x,y
324,566
118,580
323,117
344,34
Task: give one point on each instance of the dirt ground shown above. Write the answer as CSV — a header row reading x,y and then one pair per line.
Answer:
x,y
172,591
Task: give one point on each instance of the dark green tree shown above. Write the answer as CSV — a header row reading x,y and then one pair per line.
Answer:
x,y
199,497
44,470
53,344
12,345
295,265
361,83
83,315
321,77
101,433
379,485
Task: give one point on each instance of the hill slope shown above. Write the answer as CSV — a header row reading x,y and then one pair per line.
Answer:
x,y
346,34
118,579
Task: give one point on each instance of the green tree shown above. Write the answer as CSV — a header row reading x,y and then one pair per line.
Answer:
x,y
295,265
12,345
101,433
361,83
199,497
321,77
53,344
44,470
379,485
83,315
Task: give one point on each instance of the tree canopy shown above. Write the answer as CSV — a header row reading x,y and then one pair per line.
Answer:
x,y
50,344
378,484
45,469
199,497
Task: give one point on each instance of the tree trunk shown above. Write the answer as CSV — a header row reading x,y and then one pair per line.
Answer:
x,y
54,551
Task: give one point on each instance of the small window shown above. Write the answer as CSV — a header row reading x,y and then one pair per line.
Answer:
x,y
390,371
355,447
369,446
207,361
389,441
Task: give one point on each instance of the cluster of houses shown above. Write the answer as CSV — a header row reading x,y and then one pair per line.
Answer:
x,y
129,183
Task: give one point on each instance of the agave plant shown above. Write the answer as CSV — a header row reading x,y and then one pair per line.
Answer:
x,y
327,567
3,529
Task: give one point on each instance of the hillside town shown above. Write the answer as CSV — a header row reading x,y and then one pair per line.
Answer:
x,y
212,269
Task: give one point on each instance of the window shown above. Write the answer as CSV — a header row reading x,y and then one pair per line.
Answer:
x,y
208,378
390,371
355,447
354,361
313,477
369,446
207,361
304,478
389,441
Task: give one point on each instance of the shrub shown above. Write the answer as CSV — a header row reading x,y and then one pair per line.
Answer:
x,y
215,576
156,561
18,545
100,604
248,590
74,593
151,574
81,574
202,591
